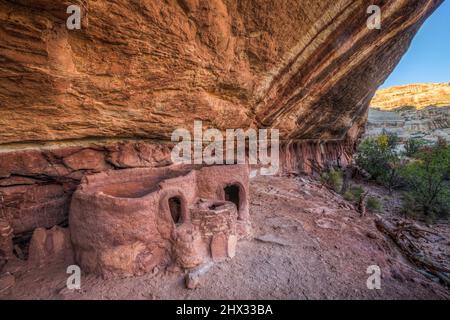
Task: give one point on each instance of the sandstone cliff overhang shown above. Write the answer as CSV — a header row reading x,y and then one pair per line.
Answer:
x,y
145,68
108,96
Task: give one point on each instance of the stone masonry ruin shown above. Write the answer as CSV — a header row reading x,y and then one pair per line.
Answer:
x,y
128,222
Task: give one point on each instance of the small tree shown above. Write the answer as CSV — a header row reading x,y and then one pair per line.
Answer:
x,y
378,156
429,189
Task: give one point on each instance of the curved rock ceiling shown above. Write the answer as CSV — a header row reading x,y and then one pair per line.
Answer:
x,y
140,69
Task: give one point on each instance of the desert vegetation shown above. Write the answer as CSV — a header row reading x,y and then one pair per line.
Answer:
x,y
420,172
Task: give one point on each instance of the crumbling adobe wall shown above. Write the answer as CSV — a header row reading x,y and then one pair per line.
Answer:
x,y
211,185
121,222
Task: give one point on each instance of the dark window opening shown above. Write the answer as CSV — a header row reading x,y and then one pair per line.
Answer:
x,y
216,205
21,244
232,194
175,209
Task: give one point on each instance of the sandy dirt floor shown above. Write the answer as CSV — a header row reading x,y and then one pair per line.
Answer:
x,y
308,243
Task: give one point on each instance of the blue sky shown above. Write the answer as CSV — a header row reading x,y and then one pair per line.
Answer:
x,y
428,58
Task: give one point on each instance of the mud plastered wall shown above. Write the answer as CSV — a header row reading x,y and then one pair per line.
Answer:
x,y
123,223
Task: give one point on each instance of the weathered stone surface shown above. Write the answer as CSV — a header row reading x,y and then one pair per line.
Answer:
x,y
231,246
50,246
223,246
311,156
31,206
418,95
122,223
214,217
6,243
87,159
308,69
270,238
7,282
139,155
190,249
126,260
36,185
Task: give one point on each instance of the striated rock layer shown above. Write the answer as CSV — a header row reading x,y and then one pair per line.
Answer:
x,y
428,123
36,186
145,68
140,69
419,95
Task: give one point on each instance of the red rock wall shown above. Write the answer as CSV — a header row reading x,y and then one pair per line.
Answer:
x,y
36,186
308,157
145,68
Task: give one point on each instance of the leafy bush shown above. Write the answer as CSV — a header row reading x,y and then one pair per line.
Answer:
x,y
353,194
374,204
427,177
409,206
333,178
378,156
413,145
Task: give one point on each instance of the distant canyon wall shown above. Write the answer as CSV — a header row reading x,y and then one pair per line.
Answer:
x,y
418,95
416,110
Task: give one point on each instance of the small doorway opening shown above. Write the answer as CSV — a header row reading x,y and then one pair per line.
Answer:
x,y
232,194
175,209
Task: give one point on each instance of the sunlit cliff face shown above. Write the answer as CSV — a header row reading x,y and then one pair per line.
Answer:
x,y
418,95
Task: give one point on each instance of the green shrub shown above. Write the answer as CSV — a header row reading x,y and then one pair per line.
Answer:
x,y
428,191
333,178
353,194
409,206
413,145
374,204
357,191
348,196
378,156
